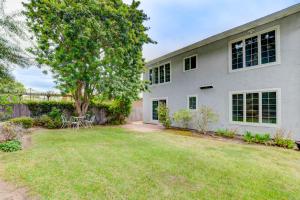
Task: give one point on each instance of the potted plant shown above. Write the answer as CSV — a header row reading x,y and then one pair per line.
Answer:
x,y
298,144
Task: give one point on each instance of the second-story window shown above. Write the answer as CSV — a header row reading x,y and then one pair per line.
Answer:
x,y
161,74
259,49
155,75
151,76
190,63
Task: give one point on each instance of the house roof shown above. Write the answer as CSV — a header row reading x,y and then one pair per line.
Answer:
x,y
264,20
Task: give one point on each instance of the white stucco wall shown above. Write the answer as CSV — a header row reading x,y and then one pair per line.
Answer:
x,y
213,69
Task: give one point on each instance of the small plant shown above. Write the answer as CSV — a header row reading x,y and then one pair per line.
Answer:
x,y
26,122
204,116
55,113
226,133
248,137
10,146
164,116
262,138
257,138
183,118
283,139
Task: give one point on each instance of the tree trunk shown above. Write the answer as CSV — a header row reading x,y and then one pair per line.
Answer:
x,y
81,99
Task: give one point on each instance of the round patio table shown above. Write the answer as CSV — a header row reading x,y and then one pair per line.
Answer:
x,y
79,121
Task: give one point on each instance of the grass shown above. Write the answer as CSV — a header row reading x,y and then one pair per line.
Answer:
x,y
113,163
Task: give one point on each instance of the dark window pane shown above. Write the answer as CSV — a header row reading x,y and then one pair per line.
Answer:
x,y
162,74
237,55
187,64
193,62
168,72
251,51
154,110
269,108
252,107
268,48
156,75
151,76
237,107
193,103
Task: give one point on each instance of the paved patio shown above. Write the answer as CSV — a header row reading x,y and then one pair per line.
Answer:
x,y
142,127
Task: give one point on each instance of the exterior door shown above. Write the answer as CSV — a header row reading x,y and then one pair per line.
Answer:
x,y
155,105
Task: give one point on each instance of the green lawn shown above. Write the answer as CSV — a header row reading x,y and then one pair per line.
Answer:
x,y
113,163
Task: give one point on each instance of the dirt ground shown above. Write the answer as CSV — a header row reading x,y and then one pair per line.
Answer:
x,y
11,192
141,127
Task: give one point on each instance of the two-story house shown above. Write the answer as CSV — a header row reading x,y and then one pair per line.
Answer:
x,y
249,75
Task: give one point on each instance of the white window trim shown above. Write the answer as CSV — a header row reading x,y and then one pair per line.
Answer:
x,y
183,63
157,66
188,101
157,99
258,34
278,108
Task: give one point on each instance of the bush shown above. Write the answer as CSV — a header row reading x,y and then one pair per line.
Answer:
x,y
283,139
39,108
117,110
226,133
55,113
10,131
48,122
26,122
204,116
183,118
164,116
10,146
257,138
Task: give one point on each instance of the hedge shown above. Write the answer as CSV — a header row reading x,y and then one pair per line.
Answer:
x,y
39,108
116,110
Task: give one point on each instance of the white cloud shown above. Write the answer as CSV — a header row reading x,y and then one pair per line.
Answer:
x,y
177,23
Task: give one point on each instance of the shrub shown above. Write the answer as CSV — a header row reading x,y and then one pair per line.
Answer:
x,y
257,138
39,108
55,113
26,122
248,137
226,133
164,116
117,110
204,116
10,146
10,131
283,139
183,117
48,122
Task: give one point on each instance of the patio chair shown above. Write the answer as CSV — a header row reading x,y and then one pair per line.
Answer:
x,y
89,122
74,123
65,122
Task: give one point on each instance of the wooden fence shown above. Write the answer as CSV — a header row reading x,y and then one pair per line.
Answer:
x,y
21,110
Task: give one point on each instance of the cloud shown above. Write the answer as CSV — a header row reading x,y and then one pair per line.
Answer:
x,y
178,23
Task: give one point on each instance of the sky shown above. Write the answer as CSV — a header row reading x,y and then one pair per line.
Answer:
x,y
174,24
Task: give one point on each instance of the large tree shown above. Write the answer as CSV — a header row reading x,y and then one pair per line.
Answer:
x,y
12,32
92,46
12,53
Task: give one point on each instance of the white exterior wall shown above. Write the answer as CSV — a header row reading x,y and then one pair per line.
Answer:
x,y
213,69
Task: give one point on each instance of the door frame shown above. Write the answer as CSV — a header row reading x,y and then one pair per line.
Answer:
x,y
157,99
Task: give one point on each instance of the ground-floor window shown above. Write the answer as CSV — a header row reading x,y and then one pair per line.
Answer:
x,y
155,105
192,102
260,107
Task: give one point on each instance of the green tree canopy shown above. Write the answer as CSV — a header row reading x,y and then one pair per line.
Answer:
x,y
92,46
11,33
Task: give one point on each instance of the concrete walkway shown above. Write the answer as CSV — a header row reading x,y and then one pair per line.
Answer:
x,y
141,127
